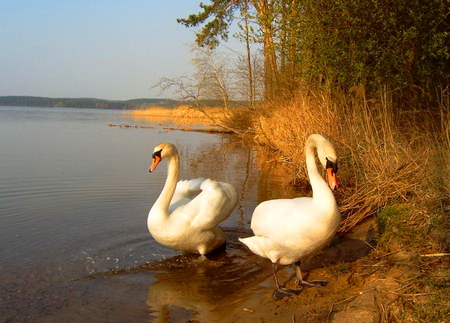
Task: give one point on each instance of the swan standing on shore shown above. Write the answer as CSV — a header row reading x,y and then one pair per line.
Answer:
x,y
290,230
186,214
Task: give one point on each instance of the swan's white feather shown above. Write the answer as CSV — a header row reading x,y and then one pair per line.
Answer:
x,y
185,217
209,208
288,230
185,191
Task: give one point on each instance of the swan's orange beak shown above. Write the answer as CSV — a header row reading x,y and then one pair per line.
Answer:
x,y
155,163
332,179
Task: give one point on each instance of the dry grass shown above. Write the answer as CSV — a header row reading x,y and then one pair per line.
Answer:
x,y
387,164
286,126
391,169
379,161
151,112
189,115
209,115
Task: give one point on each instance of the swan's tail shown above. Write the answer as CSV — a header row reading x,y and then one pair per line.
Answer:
x,y
261,246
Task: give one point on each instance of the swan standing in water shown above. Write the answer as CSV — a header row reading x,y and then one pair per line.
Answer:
x,y
186,214
290,230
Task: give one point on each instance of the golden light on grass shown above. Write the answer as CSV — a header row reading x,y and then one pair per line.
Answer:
x,y
391,169
183,115
381,160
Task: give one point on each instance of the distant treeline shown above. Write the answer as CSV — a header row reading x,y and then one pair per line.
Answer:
x,y
87,103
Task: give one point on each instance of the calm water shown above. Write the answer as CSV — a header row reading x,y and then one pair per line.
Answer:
x,y
74,199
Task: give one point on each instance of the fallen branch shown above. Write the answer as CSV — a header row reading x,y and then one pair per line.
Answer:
x,y
199,130
436,255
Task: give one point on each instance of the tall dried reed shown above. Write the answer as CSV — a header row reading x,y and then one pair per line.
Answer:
x,y
381,160
285,126
151,112
235,119
186,114
230,119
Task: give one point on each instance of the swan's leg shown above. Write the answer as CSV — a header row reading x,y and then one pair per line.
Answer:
x,y
200,261
203,258
300,281
282,292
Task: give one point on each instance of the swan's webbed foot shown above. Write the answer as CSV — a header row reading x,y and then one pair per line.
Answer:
x,y
281,293
313,283
200,260
205,261
300,281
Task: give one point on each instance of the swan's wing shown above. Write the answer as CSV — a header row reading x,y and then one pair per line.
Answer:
x,y
278,219
213,205
185,191
218,200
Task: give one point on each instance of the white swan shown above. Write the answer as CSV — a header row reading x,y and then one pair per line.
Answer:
x,y
185,215
290,230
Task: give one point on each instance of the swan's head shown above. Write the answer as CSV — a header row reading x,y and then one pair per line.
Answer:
x,y
332,168
328,158
161,151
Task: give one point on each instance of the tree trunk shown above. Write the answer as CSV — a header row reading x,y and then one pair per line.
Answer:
x,y
265,12
251,94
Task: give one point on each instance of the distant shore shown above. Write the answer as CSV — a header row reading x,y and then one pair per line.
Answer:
x,y
86,103
93,103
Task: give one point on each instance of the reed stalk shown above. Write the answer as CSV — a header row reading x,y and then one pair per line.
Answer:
x,y
381,159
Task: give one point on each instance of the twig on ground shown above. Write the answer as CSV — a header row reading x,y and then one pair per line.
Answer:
x,y
436,255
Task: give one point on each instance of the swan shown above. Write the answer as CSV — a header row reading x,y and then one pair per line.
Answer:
x,y
287,231
186,215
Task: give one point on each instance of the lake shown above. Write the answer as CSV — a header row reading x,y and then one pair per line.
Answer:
x,y
74,199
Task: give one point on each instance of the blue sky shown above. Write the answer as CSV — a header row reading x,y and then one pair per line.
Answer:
x,y
108,49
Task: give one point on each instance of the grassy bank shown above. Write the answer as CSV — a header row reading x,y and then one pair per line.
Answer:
x,y
395,167
188,115
394,172
384,157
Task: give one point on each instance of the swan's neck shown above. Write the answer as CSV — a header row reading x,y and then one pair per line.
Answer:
x,y
163,201
319,186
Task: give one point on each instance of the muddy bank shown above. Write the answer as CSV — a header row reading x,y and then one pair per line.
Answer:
x,y
238,286
365,285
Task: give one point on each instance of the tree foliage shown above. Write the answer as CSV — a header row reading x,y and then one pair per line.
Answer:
x,y
381,44
217,27
377,42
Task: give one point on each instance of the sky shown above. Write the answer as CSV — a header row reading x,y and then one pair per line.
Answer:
x,y
106,49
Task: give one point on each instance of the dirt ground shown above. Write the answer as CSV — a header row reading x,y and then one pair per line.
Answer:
x,y
358,288
365,284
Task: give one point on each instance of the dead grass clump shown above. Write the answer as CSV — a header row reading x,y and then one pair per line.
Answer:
x,y
391,162
286,126
380,162
389,175
185,114
152,112
232,119
239,119
385,168
235,119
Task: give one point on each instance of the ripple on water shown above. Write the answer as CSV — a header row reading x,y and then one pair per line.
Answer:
x,y
187,285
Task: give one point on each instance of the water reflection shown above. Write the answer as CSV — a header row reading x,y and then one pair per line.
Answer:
x,y
74,198
189,289
185,289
